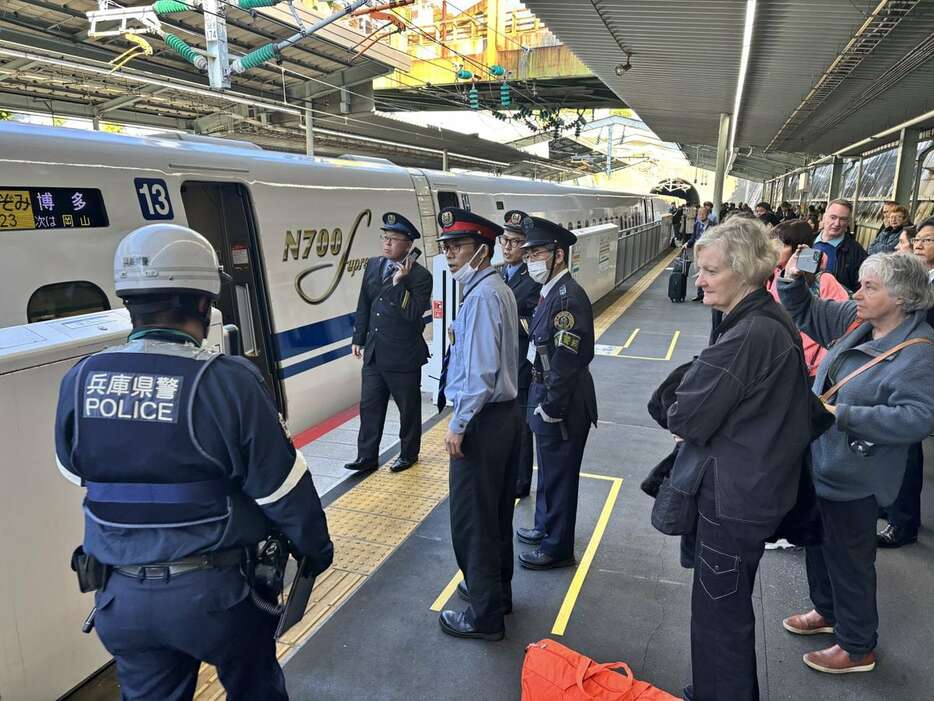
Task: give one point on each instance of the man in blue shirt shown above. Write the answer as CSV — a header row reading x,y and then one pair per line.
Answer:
x,y
842,252
480,377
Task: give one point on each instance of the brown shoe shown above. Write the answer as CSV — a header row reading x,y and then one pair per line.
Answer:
x,y
836,660
810,623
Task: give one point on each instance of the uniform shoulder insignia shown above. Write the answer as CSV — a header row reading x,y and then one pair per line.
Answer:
x,y
564,320
566,339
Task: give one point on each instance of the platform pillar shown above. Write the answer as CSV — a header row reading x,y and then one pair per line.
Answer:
x,y
905,165
722,157
309,134
836,178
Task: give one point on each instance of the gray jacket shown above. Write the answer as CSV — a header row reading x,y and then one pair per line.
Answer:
x,y
891,405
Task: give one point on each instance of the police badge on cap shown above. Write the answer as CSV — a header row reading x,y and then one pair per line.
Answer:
x,y
515,218
447,218
390,218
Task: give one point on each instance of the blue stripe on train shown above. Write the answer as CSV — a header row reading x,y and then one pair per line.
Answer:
x,y
312,336
285,373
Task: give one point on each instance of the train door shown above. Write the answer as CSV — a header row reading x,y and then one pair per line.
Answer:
x,y
223,213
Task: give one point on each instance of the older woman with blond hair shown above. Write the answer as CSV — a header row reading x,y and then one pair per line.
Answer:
x,y
741,411
876,379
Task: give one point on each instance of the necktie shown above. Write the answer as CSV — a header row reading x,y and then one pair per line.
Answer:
x,y
388,271
442,400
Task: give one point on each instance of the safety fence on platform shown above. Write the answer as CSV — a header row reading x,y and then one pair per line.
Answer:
x,y
640,245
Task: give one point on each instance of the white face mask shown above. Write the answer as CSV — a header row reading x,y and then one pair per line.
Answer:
x,y
467,271
538,270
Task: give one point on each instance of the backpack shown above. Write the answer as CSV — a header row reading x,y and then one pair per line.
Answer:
x,y
553,672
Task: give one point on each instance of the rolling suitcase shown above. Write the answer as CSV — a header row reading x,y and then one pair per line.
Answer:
x,y
678,281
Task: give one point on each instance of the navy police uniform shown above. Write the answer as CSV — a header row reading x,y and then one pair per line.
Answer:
x,y
388,326
526,291
186,463
562,333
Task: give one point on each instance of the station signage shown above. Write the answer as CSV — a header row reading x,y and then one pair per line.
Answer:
x,y
51,208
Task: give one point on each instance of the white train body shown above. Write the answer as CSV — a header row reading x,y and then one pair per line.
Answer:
x,y
293,231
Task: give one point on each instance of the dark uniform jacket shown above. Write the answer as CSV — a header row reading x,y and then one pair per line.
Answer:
x,y
182,452
526,292
563,327
389,323
743,411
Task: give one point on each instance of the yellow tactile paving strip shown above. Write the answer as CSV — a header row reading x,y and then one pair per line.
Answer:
x,y
367,524
371,520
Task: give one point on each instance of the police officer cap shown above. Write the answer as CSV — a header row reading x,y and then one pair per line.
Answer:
x,y
541,232
513,221
457,223
392,221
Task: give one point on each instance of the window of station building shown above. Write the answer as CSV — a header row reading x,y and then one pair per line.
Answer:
x,y
62,299
448,199
500,205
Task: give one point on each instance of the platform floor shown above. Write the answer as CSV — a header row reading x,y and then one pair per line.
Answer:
x,y
371,631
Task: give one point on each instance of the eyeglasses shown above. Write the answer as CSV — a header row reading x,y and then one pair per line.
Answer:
x,y
927,240
508,242
393,239
454,247
835,218
540,254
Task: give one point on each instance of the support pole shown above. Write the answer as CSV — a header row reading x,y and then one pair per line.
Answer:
x,y
859,186
215,35
309,134
491,56
96,122
905,165
722,156
836,178
781,189
444,159
609,150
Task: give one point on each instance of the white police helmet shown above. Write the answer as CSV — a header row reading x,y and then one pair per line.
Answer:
x,y
160,259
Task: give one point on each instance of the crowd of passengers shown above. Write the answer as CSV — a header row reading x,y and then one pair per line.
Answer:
x,y
803,420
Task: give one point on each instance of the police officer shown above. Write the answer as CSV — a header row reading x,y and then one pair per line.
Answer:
x,y
187,465
526,291
387,335
562,402
479,376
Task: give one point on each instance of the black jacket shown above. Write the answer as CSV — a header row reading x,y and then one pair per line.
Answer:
x,y
526,292
743,411
563,328
389,322
850,255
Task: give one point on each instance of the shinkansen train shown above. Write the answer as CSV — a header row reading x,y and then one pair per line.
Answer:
x,y
294,233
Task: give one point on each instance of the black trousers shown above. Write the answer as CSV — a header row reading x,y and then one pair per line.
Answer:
x,y
482,487
723,624
405,389
559,468
522,455
842,572
905,511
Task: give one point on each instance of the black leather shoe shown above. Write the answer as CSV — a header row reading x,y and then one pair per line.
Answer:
x,y
361,465
529,536
699,298
465,596
455,623
402,464
894,537
539,560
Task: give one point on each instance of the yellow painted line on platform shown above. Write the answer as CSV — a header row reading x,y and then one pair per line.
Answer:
x,y
663,358
619,307
570,599
632,337
447,592
671,346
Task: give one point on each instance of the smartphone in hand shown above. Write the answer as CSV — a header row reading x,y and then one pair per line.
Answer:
x,y
414,254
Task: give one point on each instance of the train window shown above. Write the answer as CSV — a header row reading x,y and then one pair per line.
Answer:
x,y
500,205
63,299
447,199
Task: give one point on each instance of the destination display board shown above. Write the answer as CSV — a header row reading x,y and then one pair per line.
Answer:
x,y
51,208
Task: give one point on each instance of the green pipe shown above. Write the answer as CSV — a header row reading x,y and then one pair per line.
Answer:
x,y
168,7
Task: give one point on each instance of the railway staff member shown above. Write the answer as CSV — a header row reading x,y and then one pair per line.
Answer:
x,y
526,291
186,464
479,376
394,296
562,401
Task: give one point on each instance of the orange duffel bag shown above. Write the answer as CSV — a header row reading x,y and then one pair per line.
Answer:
x,y
553,672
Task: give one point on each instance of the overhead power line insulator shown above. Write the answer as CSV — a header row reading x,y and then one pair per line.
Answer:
x,y
169,7
474,98
256,4
186,52
464,74
504,96
497,70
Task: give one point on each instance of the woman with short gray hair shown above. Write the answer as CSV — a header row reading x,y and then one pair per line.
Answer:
x,y
880,409
741,414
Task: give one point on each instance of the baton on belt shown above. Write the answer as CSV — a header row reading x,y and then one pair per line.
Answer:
x,y
546,367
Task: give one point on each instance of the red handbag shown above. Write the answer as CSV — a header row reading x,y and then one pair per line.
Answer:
x,y
553,672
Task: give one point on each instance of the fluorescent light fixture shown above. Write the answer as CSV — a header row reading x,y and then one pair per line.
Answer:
x,y
743,67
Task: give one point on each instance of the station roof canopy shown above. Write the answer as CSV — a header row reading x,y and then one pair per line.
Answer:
x,y
820,76
49,64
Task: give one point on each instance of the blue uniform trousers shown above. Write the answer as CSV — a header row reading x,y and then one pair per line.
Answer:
x,y
160,631
559,467
905,511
